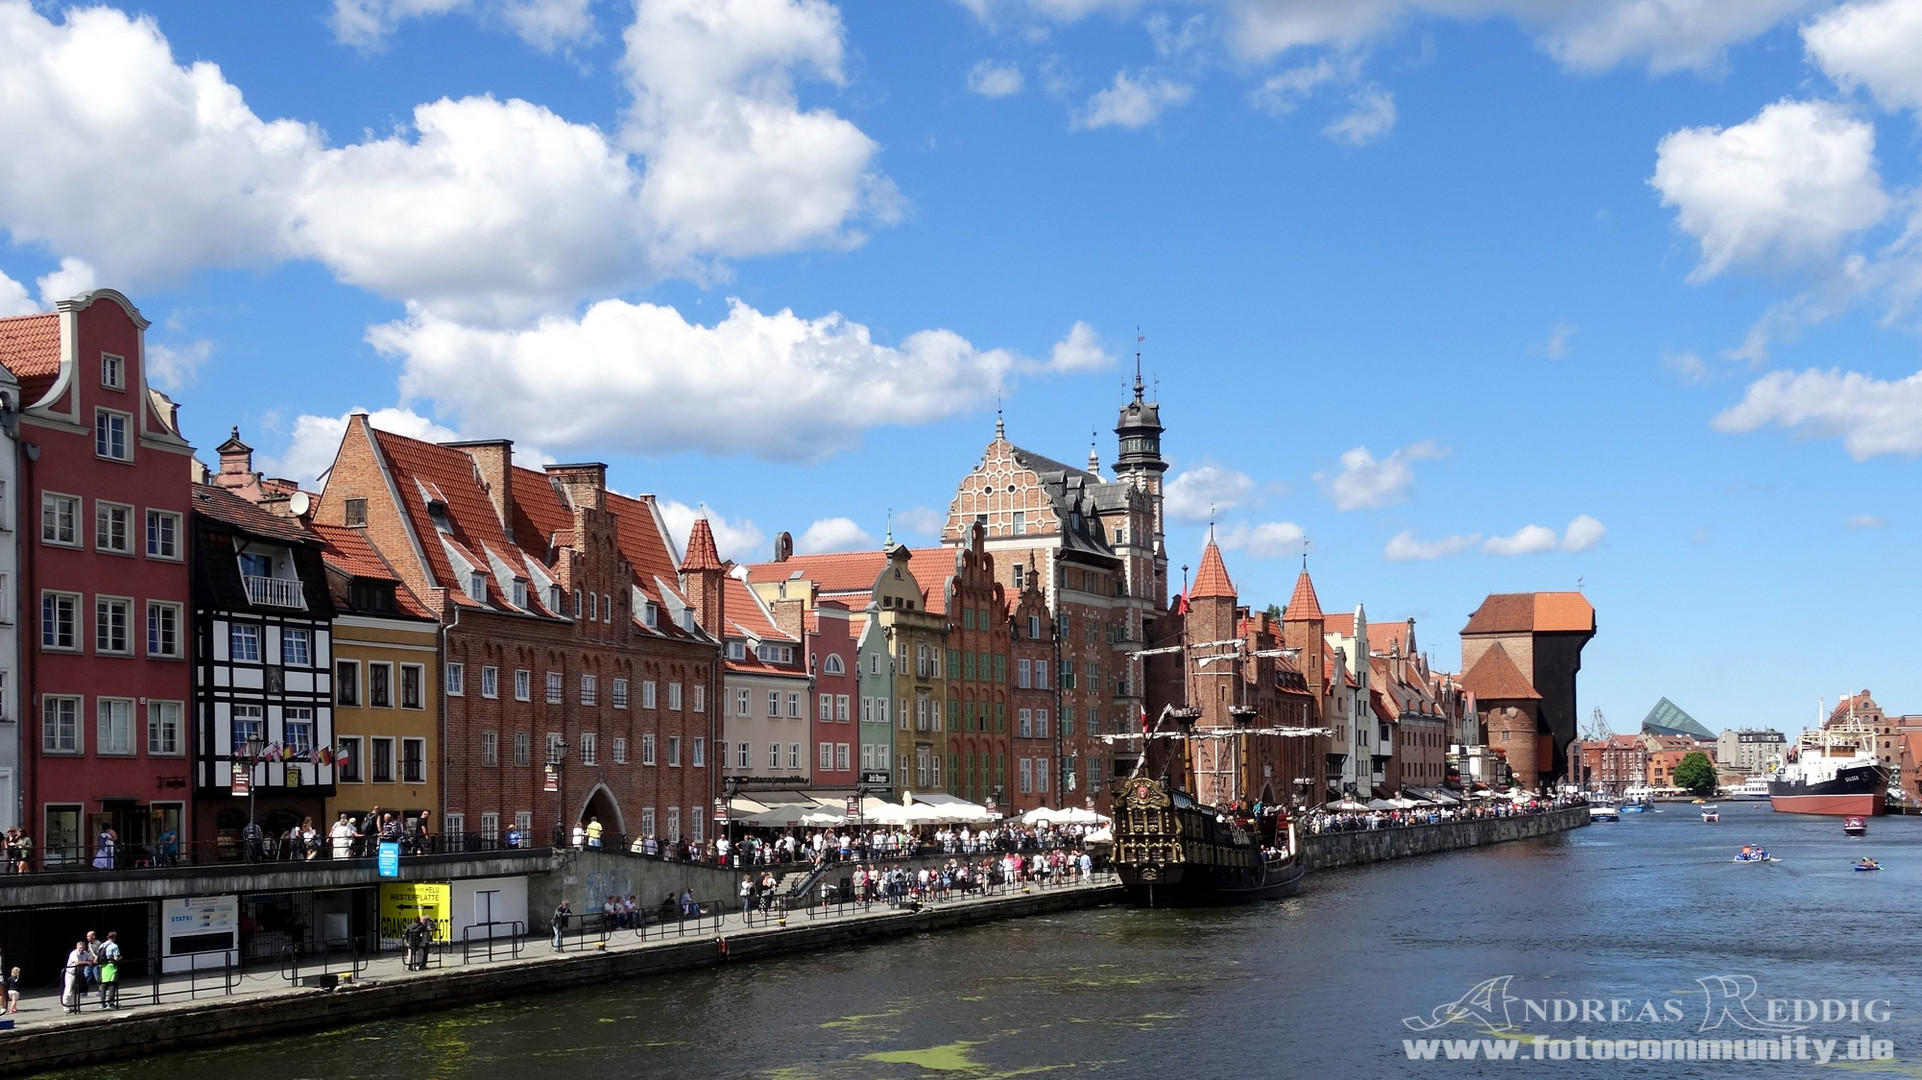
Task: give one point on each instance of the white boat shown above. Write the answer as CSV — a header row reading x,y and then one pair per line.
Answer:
x,y
1604,812
1755,787
1636,800
1711,814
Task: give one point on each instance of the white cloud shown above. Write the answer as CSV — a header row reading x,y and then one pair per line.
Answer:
x,y
1269,540
1132,103
1873,46
1199,493
1281,93
738,540
990,79
920,521
1871,416
1403,547
1860,522
1080,350
316,440
1556,347
74,277
1372,115
544,24
14,299
639,378
1686,367
1787,186
174,367
482,209
833,534
1365,483
1583,534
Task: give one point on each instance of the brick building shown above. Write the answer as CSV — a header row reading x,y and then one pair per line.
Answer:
x,y
982,674
1540,638
103,572
585,656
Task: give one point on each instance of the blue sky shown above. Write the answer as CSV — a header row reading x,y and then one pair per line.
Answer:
x,y
1475,295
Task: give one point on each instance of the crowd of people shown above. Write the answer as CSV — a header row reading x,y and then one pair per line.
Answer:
x,y
834,846
1322,821
93,965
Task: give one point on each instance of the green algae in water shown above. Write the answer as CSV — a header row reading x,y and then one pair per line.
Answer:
x,y
952,1057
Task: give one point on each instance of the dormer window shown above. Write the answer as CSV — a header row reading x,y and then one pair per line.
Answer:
x,y
477,585
736,650
687,621
113,371
650,614
554,599
520,593
437,512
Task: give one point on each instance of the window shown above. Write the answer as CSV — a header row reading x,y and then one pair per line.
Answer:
x,y
740,702
1041,774
1041,675
347,682
59,519
827,756
794,755
296,647
774,755
520,593
347,763
620,693
112,634
674,696
841,708
249,730
841,757
774,703
673,823
590,689
113,527
60,724
741,756
700,698
490,682
490,827
673,751
556,747
523,749
163,629
354,513
380,685
490,748
1023,674
163,535
794,706
454,680
113,372
824,707
411,677
648,698
1034,626
383,764
736,650
110,435
699,757
647,821
553,688
297,730
243,643
590,748
523,684
477,586
647,749
163,728
59,612
620,750
1041,723
833,665
523,823
114,731
1024,723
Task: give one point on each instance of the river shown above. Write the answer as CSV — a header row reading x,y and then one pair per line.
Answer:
x,y
1628,915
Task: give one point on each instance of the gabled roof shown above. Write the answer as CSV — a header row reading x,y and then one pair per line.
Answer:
x,y
1342,624
450,473
229,509
1211,580
1666,718
30,349
1496,678
348,552
1385,637
701,552
839,573
1304,605
1541,612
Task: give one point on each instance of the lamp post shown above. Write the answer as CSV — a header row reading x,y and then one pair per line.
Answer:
x,y
556,760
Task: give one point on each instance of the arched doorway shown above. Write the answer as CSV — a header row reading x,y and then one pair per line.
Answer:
x,y
602,804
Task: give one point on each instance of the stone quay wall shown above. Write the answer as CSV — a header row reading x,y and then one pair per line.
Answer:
x,y
1331,850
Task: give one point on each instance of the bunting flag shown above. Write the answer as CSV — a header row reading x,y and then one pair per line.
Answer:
x,y
340,755
271,754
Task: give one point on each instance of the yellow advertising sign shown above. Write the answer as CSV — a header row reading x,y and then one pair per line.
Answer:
x,y
402,901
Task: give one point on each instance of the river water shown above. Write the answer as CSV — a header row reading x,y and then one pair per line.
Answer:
x,y
1629,916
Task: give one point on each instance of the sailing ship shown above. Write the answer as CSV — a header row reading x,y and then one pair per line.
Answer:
x,y
1833,770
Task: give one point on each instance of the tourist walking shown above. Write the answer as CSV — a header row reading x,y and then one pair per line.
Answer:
x,y
594,830
561,914
25,845
415,937
747,893
12,986
106,848
342,836
423,834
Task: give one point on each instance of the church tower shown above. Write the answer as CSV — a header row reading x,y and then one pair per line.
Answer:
x,y
1141,465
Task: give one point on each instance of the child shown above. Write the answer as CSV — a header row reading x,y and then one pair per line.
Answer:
x,y
12,985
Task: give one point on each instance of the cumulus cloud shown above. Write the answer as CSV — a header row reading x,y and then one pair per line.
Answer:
x,y
74,277
1269,540
481,208
316,440
1404,547
1782,188
1080,350
1583,534
736,539
990,79
1860,522
1871,416
1687,367
174,367
639,378
920,521
14,299
1132,102
1871,46
1283,92
1365,483
544,24
833,534
1199,493
1371,115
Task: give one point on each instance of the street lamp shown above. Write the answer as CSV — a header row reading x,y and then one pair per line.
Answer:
x,y
556,758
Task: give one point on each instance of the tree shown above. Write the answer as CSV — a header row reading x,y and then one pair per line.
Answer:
x,y
1695,773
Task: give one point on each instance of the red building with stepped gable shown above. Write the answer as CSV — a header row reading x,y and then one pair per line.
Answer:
x,y
105,490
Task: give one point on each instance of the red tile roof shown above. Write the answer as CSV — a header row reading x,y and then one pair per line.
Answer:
x,y
1211,580
30,348
1343,624
841,573
1386,637
1496,678
701,552
349,552
1304,605
449,473
1520,613
747,615
224,506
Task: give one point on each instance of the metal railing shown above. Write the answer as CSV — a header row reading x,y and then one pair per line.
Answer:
x,y
275,592
510,941
264,851
330,955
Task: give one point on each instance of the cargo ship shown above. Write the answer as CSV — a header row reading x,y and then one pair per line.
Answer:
x,y
1832,770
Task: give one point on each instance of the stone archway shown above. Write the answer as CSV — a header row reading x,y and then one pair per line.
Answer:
x,y
602,804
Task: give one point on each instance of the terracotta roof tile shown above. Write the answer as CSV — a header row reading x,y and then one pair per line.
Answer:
x,y
1496,678
1386,637
1520,613
349,550
839,573
449,472
747,614
1211,580
1304,605
224,506
701,552
1342,625
30,348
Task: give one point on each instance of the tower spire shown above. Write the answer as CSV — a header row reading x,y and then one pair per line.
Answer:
x,y
1000,425
1139,388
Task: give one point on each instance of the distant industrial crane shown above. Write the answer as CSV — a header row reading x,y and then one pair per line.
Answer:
x,y
1597,729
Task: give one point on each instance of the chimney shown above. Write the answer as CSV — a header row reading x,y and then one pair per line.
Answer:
x,y
787,613
494,460
583,485
236,472
783,546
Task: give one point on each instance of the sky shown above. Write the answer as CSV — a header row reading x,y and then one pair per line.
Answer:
x,y
1454,296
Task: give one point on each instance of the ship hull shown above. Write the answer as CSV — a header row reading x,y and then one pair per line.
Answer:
x,y
1858,791
1171,852
1197,886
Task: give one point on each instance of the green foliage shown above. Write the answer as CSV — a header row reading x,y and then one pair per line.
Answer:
x,y
1695,773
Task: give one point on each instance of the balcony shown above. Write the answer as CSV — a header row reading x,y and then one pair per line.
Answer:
x,y
274,592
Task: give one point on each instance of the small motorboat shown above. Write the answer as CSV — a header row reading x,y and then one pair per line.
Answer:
x,y
1855,826
1711,814
1604,812
1754,855
1865,865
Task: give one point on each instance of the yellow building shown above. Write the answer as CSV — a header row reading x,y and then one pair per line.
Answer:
x,y
919,640
387,690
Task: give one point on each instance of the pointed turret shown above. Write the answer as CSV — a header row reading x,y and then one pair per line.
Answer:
x,y
1304,605
704,579
1212,581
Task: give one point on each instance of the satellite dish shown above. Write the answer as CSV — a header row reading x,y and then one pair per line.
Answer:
x,y
300,503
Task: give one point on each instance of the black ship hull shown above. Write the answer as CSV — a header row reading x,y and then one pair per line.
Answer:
x,y
1856,791
1169,851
